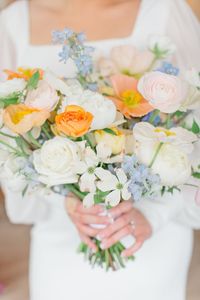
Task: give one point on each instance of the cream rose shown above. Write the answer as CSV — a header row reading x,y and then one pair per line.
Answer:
x,y
173,147
55,161
12,86
43,97
115,142
164,92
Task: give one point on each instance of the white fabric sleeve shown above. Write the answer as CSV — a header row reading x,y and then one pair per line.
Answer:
x,y
36,205
184,30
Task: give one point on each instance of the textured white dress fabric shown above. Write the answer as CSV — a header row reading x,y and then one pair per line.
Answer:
x,y
56,270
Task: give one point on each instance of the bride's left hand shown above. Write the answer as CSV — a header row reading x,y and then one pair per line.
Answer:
x,y
127,221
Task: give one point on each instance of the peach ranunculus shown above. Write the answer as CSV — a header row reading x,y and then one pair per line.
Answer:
x,y
21,118
74,122
126,59
23,73
43,97
163,91
127,98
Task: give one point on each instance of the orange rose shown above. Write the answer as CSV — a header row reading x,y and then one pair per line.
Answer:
x,y
23,73
21,118
74,122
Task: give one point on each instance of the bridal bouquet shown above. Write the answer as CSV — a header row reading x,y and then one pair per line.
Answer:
x,y
116,129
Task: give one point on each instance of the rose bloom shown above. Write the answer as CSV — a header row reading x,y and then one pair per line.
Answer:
x,y
55,161
172,162
115,142
102,109
20,118
74,122
164,92
11,86
43,97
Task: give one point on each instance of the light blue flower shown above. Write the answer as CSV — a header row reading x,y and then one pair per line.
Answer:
x,y
168,69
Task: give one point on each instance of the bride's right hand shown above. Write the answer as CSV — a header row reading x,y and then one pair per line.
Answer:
x,y
82,218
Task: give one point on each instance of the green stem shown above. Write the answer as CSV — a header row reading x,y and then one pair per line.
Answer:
x,y
72,189
45,130
156,154
153,116
8,135
88,141
12,148
33,140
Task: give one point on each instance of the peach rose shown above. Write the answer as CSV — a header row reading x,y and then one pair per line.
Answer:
x,y
21,118
74,122
43,97
164,92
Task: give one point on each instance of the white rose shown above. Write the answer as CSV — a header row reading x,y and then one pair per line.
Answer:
x,y
161,44
193,77
103,109
172,164
43,97
12,86
55,161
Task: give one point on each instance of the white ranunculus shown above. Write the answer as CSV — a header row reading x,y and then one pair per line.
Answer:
x,y
172,164
55,161
12,86
103,109
163,44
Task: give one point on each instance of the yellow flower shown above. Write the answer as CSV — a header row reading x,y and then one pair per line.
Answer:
x,y
21,118
116,141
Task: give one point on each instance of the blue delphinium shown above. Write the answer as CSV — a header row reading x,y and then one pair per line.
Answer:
x,y
73,47
168,69
143,183
156,120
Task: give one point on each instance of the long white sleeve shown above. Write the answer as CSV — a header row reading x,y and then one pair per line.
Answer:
x,y
184,30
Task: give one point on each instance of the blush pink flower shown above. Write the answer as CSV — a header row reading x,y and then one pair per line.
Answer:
x,y
43,97
164,92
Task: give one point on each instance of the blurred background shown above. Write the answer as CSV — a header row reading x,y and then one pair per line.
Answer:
x,y
14,245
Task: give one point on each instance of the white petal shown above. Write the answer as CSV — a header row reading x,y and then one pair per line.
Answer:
x,y
113,198
121,176
108,180
88,201
87,182
126,195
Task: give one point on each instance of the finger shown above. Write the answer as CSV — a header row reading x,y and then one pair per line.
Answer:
x,y
107,243
88,242
71,203
116,226
120,209
91,219
87,230
130,251
96,209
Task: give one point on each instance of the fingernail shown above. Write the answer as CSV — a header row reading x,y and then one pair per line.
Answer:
x,y
103,246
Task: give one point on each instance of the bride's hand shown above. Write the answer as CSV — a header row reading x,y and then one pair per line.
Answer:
x,y
83,217
127,221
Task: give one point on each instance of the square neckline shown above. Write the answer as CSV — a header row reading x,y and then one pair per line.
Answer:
x,y
89,42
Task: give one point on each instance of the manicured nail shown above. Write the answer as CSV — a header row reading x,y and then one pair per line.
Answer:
x,y
103,246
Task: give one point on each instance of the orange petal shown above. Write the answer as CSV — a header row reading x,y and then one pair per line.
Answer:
x,y
123,83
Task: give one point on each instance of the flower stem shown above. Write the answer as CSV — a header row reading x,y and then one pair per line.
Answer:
x,y
78,193
156,154
33,140
16,151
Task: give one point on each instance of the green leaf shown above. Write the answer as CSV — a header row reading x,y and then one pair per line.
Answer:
x,y
110,131
195,127
24,190
10,99
196,175
33,81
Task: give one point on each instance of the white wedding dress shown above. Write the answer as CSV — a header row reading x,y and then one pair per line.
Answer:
x,y
57,272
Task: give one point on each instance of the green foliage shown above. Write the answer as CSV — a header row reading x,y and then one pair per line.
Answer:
x,y
33,81
110,131
10,99
196,175
195,127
